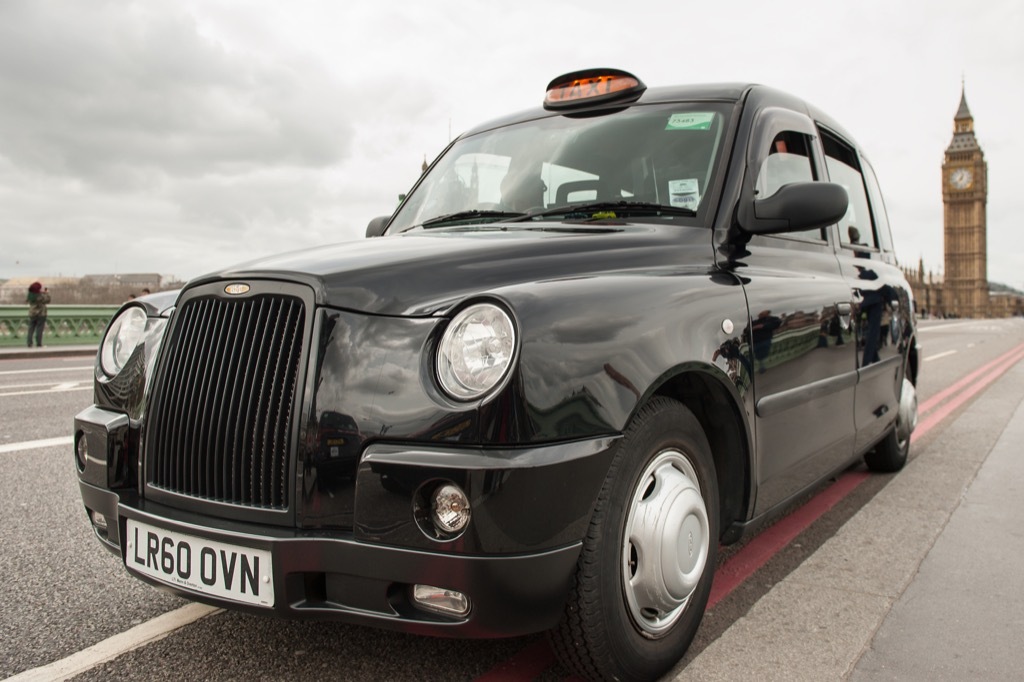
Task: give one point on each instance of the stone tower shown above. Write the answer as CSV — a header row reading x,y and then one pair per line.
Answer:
x,y
964,195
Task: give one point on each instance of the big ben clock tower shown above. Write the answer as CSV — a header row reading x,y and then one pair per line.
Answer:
x,y
964,195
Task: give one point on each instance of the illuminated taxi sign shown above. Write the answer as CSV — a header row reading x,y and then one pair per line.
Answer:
x,y
593,86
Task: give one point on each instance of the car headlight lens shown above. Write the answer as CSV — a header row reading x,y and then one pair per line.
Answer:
x,y
121,340
476,351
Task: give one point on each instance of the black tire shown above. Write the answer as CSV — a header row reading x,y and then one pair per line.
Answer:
x,y
890,454
637,629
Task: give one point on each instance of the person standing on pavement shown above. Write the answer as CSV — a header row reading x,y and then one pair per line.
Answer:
x,y
38,298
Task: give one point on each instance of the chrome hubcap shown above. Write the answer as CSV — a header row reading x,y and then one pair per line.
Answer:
x,y
666,544
906,419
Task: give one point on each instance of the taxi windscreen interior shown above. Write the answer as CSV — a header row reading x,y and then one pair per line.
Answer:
x,y
663,154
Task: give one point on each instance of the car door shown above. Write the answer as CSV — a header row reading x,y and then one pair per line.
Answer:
x,y
801,342
877,289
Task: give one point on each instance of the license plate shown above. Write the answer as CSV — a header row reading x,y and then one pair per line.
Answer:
x,y
241,574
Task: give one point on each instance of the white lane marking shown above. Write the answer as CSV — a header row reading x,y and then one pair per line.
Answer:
x,y
951,325
36,444
38,371
145,633
939,355
56,389
8,387
67,386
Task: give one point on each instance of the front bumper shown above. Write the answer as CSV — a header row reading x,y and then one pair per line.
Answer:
x,y
337,578
365,575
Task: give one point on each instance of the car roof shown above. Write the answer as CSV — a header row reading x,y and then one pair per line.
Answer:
x,y
717,92
704,92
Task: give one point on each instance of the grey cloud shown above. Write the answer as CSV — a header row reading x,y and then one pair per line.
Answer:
x,y
120,94
240,202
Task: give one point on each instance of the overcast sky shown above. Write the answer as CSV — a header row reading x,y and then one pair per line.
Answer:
x,y
182,136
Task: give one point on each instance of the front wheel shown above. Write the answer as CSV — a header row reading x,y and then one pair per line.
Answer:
x,y
645,570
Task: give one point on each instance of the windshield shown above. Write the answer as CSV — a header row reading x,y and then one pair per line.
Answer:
x,y
662,154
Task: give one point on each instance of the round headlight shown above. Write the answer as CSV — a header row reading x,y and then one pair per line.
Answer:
x,y
476,351
122,338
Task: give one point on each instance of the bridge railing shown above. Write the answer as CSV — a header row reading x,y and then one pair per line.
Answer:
x,y
65,324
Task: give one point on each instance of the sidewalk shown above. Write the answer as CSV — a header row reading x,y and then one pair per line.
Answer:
x,y
960,618
24,352
923,583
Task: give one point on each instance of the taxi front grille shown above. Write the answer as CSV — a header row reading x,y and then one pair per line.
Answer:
x,y
220,421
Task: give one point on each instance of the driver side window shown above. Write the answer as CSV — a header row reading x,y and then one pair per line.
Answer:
x,y
788,160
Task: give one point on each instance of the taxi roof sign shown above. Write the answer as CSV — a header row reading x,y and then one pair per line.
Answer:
x,y
591,86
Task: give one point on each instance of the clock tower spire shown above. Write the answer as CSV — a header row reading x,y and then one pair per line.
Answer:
x,y
964,196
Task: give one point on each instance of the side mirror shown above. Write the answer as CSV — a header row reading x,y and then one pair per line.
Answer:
x,y
798,206
377,225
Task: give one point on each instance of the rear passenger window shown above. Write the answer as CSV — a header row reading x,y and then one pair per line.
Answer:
x,y
877,207
856,228
789,160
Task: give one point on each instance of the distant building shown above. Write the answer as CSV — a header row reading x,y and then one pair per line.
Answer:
x,y
927,290
964,197
963,289
140,281
90,289
1005,304
14,290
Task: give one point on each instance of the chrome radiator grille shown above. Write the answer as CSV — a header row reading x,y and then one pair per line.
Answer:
x,y
219,425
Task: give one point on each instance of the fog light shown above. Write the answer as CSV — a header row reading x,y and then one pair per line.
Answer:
x,y
81,451
440,600
450,509
98,520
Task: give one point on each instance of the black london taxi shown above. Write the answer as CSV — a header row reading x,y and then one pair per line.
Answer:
x,y
597,340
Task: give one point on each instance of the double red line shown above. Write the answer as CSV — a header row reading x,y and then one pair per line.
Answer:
x,y
943,403
537,657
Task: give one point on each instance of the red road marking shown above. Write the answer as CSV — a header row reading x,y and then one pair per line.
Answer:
x,y
936,399
943,411
768,542
537,657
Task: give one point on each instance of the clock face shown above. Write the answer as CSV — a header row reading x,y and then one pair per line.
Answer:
x,y
961,178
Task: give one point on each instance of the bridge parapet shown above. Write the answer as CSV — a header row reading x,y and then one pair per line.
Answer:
x,y
65,324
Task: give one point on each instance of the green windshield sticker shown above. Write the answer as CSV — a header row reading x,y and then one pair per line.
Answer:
x,y
699,120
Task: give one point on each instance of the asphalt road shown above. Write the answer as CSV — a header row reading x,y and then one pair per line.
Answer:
x,y
62,593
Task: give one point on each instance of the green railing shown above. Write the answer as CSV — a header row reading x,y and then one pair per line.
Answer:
x,y
65,324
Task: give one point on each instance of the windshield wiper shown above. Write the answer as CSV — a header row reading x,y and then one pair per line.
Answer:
x,y
469,217
617,207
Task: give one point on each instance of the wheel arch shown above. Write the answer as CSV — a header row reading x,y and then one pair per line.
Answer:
x,y
912,360
716,406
